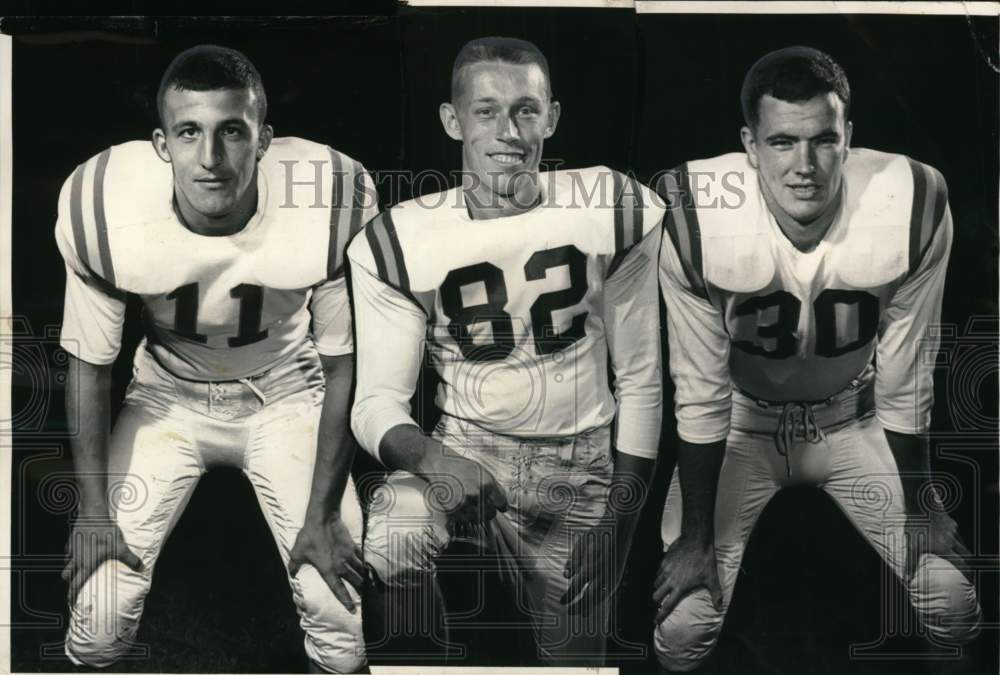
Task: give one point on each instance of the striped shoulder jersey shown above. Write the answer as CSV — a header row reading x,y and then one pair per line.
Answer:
x,y
788,325
518,312
214,307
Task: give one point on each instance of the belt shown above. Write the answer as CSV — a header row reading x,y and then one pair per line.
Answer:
x,y
807,420
227,399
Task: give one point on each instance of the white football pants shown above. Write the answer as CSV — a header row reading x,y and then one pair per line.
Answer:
x,y
168,434
853,464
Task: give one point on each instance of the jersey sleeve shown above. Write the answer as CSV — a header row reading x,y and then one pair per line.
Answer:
x,y
698,342
908,340
354,202
94,309
329,304
638,211
632,324
391,330
330,308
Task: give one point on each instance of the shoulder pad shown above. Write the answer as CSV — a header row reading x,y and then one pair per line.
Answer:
x,y
124,186
627,208
718,224
379,250
892,207
317,201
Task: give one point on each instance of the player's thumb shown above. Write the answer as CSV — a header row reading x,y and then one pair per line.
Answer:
x,y
293,566
717,597
131,560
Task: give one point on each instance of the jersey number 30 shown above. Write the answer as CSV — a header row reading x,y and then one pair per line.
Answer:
x,y
782,331
547,340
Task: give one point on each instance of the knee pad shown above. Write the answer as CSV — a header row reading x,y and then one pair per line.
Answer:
x,y
335,661
105,616
403,537
334,639
689,633
945,601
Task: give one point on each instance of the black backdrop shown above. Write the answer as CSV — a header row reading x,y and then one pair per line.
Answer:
x,y
640,93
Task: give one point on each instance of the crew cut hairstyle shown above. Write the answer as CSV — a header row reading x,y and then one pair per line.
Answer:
x,y
792,74
505,49
210,67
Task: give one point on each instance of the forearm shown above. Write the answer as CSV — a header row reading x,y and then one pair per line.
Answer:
x,y
913,463
88,405
627,494
408,448
334,445
699,465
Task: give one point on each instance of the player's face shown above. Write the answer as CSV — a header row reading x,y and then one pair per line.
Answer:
x,y
213,140
799,151
502,116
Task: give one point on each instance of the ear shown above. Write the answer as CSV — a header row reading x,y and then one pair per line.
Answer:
x,y
848,132
554,111
160,145
749,144
449,120
264,140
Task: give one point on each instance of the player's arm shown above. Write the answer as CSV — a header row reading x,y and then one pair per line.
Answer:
x,y
91,334
391,330
88,387
632,322
699,366
904,385
632,326
325,540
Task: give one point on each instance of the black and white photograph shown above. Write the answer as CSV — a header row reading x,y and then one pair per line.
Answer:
x,y
438,337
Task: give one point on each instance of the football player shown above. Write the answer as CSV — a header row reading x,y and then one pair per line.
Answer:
x,y
803,280
234,241
520,284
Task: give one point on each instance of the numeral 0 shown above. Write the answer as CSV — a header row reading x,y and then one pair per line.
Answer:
x,y
782,331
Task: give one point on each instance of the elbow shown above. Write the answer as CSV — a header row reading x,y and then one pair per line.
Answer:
x,y
367,420
338,368
644,394
357,421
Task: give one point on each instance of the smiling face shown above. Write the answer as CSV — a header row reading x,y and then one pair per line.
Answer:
x,y
502,115
799,149
213,140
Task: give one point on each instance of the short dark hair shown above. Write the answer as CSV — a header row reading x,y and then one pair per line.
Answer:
x,y
792,74
208,67
506,49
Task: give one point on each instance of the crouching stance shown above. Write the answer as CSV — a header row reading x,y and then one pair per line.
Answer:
x,y
520,289
247,358
778,305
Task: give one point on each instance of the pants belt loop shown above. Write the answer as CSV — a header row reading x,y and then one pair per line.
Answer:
x,y
567,450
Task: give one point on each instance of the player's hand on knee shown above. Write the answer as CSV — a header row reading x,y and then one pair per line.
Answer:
x,y
92,541
935,532
471,495
327,545
686,566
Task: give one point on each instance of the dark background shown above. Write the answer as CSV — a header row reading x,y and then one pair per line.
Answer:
x,y
640,93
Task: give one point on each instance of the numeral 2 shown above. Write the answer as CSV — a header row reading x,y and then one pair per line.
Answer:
x,y
546,339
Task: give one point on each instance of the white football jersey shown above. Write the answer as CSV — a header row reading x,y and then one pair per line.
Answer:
x,y
518,313
214,307
746,308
